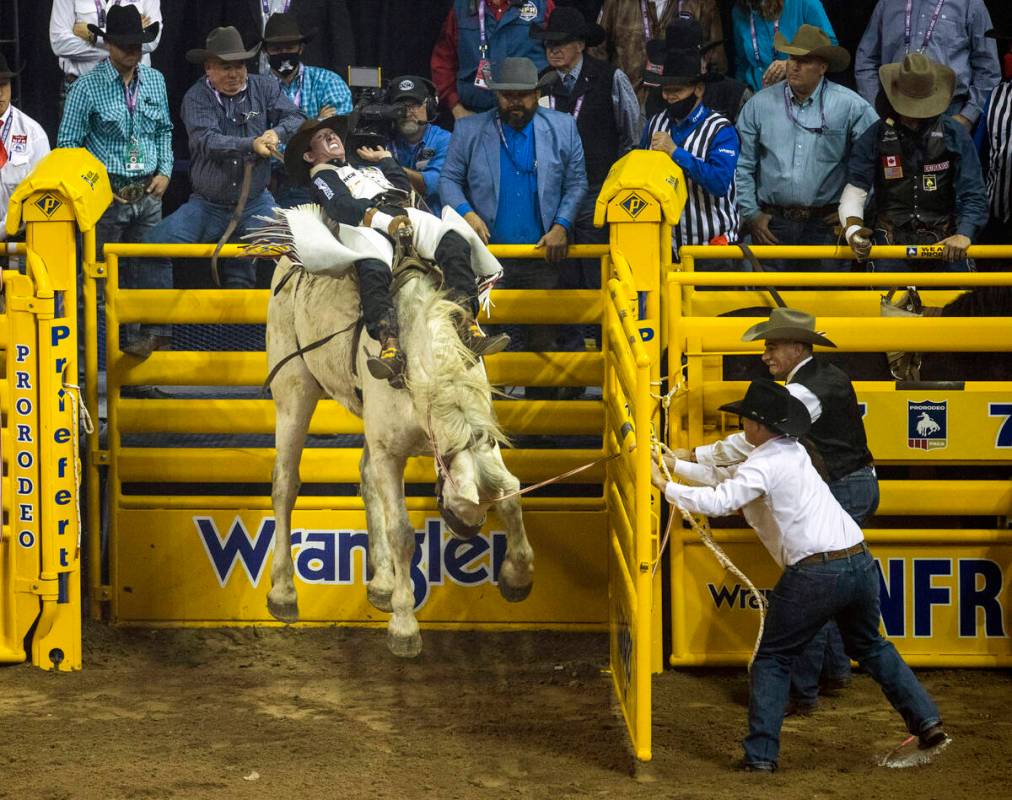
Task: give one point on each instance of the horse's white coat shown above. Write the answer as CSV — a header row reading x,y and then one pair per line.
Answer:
x,y
448,393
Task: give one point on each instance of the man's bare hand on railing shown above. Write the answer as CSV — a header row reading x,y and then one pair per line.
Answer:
x,y
479,226
759,227
556,244
955,247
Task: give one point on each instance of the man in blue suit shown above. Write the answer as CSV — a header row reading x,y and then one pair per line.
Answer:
x,y
517,175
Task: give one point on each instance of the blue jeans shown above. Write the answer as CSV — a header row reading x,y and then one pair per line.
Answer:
x,y
858,494
582,273
199,220
131,222
801,603
813,231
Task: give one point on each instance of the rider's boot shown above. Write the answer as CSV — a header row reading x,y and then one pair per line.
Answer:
x,y
389,365
477,341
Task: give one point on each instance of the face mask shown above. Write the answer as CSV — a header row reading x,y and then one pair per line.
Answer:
x,y
284,63
680,109
1006,66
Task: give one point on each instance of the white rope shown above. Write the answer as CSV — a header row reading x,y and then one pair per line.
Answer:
x,y
79,407
706,535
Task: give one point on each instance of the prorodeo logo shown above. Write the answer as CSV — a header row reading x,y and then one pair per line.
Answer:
x,y
634,204
927,424
48,204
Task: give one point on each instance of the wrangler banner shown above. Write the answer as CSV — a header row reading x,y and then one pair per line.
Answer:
x,y
945,599
214,567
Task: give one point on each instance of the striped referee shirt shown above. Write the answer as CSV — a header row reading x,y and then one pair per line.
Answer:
x,y
707,151
997,151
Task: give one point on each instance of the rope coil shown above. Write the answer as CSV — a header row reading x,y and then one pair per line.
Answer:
x,y
80,414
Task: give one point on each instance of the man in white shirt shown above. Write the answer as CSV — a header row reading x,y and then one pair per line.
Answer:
x,y
78,49
23,144
828,570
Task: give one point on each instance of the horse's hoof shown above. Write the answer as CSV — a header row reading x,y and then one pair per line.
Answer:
x,y
405,646
284,612
514,594
380,598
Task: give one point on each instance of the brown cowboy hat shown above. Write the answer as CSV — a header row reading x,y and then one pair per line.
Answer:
x,y
224,44
772,405
812,41
789,325
296,166
917,87
124,26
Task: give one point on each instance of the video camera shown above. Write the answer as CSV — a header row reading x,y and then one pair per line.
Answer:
x,y
373,121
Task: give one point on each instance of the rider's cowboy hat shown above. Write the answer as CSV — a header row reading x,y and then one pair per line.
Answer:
x,y
225,44
124,26
917,87
787,324
517,74
6,73
811,41
681,34
566,25
770,404
296,166
284,29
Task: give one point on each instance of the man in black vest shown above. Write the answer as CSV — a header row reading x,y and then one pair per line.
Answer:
x,y
602,101
929,189
837,435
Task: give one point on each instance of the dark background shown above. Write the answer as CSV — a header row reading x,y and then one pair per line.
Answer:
x,y
396,35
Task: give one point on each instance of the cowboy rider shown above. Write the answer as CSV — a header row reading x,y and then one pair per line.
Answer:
x,y
377,195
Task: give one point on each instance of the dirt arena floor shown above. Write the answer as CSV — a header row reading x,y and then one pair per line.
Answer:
x,y
328,713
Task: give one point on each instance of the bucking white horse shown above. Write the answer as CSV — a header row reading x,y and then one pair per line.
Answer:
x,y
447,405
926,425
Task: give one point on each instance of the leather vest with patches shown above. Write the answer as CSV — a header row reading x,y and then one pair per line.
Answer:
x,y
596,122
915,184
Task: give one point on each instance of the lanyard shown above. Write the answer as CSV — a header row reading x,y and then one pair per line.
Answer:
x,y
576,109
131,97
928,34
297,100
6,128
647,30
100,11
755,39
509,155
482,41
266,6
788,103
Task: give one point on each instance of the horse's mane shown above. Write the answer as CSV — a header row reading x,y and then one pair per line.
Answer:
x,y
450,392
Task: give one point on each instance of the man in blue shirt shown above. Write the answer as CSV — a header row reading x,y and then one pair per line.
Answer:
x,y
418,145
516,174
796,139
119,111
705,145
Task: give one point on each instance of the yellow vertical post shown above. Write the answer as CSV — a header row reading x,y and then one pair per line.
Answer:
x,y
68,190
641,199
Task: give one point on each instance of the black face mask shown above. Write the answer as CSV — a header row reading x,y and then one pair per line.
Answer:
x,y
284,63
680,109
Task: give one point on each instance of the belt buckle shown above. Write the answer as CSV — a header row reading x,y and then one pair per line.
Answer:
x,y
132,192
796,214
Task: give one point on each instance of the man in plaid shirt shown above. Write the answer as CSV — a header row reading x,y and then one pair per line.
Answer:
x,y
119,112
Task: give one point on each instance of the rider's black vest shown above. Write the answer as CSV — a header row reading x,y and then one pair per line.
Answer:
x,y
596,122
914,185
838,434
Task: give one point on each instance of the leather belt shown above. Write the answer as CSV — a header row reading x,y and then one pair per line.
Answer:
x,y
132,189
799,213
833,555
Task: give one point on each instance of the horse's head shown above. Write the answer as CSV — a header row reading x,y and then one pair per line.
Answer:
x,y
477,478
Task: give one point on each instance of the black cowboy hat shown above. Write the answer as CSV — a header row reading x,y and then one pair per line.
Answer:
x,y
124,26
6,73
284,29
679,68
566,25
770,404
224,44
681,34
296,166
